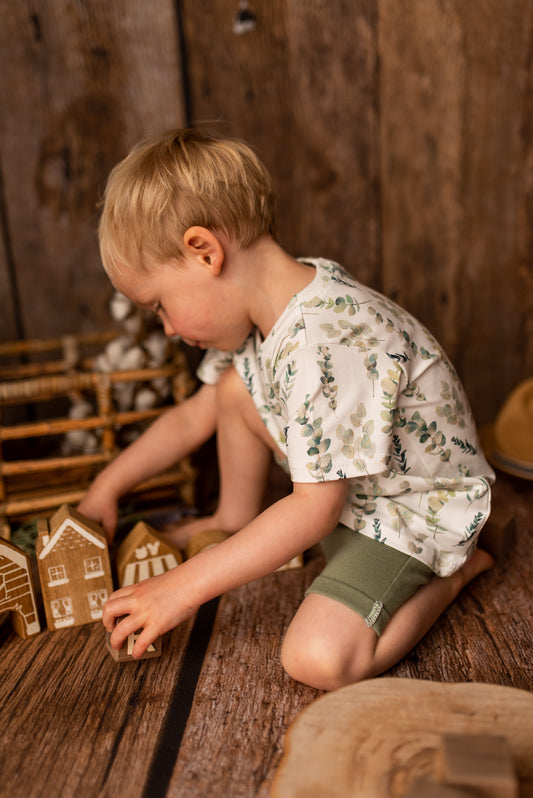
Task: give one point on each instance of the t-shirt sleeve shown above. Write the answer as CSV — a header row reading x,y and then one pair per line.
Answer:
x,y
338,403
213,364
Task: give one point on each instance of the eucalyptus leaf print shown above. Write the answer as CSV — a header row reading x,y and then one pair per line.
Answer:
x,y
329,388
357,447
371,369
400,516
472,529
465,446
321,464
248,377
425,432
436,502
383,410
389,388
378,533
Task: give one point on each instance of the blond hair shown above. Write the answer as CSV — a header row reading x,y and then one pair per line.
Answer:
x,y
182,179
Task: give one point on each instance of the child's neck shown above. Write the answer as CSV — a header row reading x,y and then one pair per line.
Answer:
x,y
272,277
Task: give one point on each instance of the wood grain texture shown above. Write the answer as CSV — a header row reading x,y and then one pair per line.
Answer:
x,y
75,723
82,82
244,700
456,139
306,98
373,739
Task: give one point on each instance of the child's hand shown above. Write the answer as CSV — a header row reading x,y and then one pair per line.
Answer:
x,y
154,605
102,508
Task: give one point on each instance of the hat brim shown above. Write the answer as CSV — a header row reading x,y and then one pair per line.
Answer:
x,y
509,465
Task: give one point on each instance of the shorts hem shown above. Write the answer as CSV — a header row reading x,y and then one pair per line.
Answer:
x,y
373,613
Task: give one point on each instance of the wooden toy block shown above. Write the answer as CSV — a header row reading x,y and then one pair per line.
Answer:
x,y
143,554
479,762
499,533
125,654
204,540
74,568
17,593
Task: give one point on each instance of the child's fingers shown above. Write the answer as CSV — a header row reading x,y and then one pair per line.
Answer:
x,y
143,641
118,604
124,628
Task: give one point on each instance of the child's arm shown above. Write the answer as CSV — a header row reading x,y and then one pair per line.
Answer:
x,y
282,531
173,435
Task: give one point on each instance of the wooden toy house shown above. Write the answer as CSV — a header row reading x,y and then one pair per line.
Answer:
x,y
142,554
74,569
17,594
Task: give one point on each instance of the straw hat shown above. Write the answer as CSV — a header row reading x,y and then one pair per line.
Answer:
x,y
508,443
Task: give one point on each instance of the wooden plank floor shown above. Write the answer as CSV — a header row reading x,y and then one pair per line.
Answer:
x,y
209,717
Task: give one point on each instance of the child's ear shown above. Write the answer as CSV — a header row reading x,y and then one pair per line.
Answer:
x,y
202,244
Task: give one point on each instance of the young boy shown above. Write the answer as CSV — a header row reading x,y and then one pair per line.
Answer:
x,y
341,384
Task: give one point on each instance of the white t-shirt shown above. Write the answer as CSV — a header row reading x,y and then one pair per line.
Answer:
x,y
351,386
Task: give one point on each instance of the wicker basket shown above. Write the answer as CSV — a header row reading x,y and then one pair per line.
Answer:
x,y
53,371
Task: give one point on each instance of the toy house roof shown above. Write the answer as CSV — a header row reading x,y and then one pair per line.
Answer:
x,y
13,553
67,517
143,544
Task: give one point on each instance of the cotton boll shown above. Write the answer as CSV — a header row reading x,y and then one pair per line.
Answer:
x,y
162,387
156,344
145,398
123,395
115,351
133,325
80,408
102,364
133,358
120,306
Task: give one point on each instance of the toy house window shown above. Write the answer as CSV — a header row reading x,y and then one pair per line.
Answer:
x,y
93,567
62,612
97,599
57,576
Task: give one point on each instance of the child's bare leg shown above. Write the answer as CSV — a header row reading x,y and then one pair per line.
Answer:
x,y
328,645
244,454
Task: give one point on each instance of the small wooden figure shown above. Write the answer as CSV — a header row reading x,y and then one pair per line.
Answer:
x,y
142,554
17,594
74,568
479,762
125,654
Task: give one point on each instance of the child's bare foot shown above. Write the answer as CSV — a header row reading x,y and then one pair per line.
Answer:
x,y
480,561
178,534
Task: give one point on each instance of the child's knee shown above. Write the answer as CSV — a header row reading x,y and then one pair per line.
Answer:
x,y
317,663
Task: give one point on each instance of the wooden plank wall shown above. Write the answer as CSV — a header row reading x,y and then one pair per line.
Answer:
x,y
398,133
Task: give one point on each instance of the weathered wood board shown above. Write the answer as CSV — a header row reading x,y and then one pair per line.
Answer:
x,y
302,89
455,109
80,83
73,722
373,739
244,700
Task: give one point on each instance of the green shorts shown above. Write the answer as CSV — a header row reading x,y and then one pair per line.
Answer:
x,y
369,577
